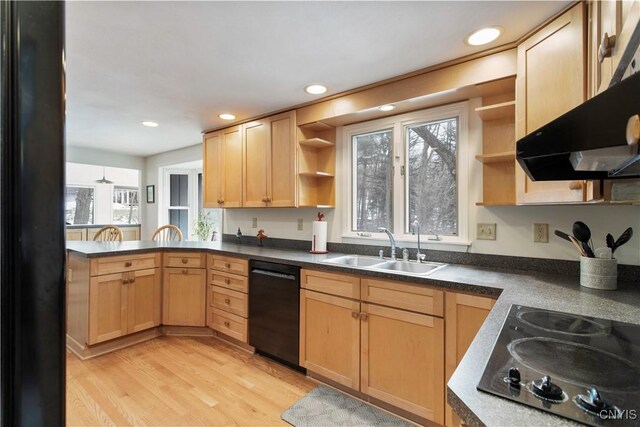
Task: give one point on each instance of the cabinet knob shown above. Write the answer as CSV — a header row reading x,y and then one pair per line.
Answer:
x,y
606,47
226,323
227,281
355,314
364,317
128,264
264,200
575,185
227,301
132,278
125,280
184,260
221,201
227,265
633,130
185,271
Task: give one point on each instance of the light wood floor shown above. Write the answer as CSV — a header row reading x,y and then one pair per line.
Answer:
x,y
179,381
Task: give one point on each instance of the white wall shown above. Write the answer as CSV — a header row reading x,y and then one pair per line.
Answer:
x,y
153,177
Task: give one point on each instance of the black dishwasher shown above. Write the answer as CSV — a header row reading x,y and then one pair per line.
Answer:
x,y
274,311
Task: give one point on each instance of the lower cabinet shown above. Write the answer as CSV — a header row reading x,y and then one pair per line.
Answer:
x,y
184,296
123,303
228,297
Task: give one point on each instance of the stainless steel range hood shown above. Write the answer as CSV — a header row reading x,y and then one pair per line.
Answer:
x,y
596,140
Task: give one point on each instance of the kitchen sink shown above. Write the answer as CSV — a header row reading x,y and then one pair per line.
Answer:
x,y
355,261
409,267
374,263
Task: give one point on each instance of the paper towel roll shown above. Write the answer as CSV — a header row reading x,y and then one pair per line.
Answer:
x,y
319,237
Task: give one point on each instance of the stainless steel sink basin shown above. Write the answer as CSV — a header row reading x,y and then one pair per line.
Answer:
x,y
373,263
355,261
409,267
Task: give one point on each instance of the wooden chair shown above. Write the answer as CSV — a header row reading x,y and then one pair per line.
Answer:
x,y
109,233
167,233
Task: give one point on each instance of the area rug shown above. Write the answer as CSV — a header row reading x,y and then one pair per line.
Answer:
x,y
324,407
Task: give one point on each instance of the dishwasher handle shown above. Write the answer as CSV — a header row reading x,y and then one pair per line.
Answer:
x,y
273,274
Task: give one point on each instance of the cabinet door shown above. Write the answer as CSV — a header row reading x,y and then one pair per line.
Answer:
x,y
212,170
403,360
231,178
184,296
144,299
550,82
107,307
282,178
464,315
257,155
330,337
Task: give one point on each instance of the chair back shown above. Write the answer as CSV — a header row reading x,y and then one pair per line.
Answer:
x,y
167,233
109,233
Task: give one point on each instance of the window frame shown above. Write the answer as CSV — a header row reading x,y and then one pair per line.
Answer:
x,y
192,208
113,195
398,124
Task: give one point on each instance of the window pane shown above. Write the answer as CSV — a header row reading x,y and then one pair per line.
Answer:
x,y
373,181
126,205
78,205
180,218
179,190
432,189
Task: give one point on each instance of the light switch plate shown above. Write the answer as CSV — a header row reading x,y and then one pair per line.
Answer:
x,y
486,231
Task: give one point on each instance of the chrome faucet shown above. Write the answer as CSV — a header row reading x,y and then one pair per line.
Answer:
x,y
416,230
392,240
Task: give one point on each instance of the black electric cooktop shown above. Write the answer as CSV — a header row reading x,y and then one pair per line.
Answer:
x,y
583,368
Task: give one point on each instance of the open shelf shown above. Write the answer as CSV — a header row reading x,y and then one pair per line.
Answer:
x,y
317,174
317,127
317,206
317,143
501,110
504,156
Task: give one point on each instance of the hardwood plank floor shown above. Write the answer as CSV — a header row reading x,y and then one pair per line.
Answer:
x,y
180,381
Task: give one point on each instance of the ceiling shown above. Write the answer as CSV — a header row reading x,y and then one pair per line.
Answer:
x,y
183,63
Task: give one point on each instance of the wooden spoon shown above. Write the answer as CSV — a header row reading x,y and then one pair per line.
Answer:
x,y
578,245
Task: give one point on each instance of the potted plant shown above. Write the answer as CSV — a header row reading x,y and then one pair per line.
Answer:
x,y
203,226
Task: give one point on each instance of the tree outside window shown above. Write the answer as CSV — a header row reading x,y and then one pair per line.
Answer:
x,y
79,205
126,205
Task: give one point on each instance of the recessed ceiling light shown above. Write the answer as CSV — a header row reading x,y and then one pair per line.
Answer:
x,y
387,107
227,116
315,89
150,124
483,36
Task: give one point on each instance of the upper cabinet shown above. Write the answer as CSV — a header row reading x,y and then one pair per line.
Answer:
x,y
222,162
610,26
551,80
270,161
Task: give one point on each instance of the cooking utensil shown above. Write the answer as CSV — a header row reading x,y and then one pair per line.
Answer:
x,y
578,245
610,241
624,238
581,232
588,250
603,253
563,235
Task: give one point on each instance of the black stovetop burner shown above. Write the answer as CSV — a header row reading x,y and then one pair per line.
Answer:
x,y
583,368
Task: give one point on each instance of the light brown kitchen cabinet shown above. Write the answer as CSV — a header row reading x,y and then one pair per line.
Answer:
x,y
464,315
551,80
222,166
123,303
330,337
269,162
403,360
184,296
611,24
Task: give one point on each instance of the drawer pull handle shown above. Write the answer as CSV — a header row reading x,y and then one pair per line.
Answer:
x,y
227,281
355,314
575,185
227,324
364,316
227,301
128,264
184,260
227,265
185,271
125,281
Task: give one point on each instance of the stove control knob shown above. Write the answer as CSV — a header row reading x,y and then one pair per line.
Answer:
x,y
514,377
594,402
547,390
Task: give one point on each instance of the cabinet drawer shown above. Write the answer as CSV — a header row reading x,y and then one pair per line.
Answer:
x,y
118,264
229,265
407,296
229,281
229,301
184,260
229,324
330,283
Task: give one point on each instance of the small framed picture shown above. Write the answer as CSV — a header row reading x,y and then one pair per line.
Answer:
x,y
151,193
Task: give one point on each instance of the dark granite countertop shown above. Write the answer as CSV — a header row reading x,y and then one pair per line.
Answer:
x,y
512,286
72,226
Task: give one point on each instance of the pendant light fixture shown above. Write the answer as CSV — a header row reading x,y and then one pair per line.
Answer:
x,y
103,180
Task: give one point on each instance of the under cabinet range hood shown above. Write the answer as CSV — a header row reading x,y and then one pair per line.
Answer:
x,y
596,140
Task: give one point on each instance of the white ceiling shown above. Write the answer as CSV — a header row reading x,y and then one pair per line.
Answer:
x,y
183,63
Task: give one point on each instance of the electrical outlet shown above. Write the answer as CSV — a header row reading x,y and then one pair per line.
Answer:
x,y
300,224
541,233
254,222
486,232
